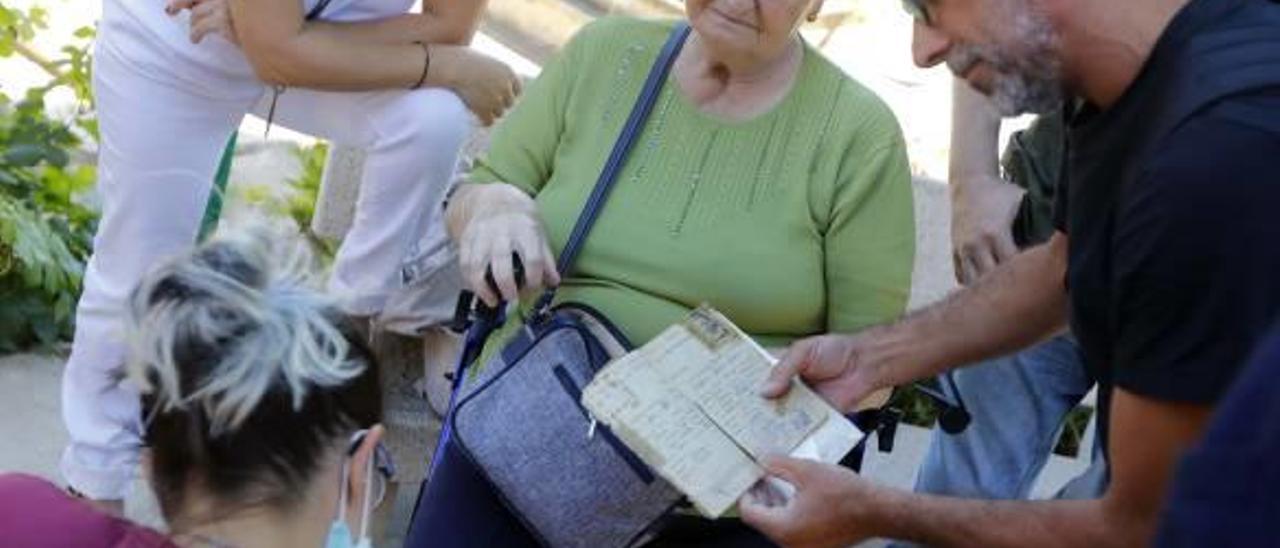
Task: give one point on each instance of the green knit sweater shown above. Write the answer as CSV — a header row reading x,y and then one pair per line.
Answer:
x,y
794,223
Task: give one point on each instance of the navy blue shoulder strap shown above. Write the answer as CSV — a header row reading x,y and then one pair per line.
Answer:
x,y
617,158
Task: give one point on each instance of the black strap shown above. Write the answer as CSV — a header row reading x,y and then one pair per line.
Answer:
x,y
617,158
315,12
277,90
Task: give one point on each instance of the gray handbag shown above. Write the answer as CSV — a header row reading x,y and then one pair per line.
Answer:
x,y
520,420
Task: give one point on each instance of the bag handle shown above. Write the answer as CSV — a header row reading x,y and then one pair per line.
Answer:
x,y
617,158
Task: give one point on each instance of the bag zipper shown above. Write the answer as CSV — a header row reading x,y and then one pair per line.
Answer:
x,y
571,388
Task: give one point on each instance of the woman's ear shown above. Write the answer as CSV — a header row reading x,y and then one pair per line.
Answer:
x,y
360,460
814,11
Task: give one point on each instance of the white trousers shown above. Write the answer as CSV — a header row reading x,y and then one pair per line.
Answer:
x,y
161,139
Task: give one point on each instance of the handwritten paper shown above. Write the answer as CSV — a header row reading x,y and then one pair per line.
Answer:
x,y
688,404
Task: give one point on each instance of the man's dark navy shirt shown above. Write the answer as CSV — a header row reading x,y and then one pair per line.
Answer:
x,y
1174,233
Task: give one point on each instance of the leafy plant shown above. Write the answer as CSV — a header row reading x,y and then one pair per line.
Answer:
x,y
306,191
306,186
45,232
20,27
299,204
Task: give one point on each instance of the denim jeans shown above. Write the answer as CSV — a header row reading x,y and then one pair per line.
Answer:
x,y
1017,404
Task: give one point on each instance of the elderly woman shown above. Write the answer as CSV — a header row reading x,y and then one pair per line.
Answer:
x,y
171,85
261,411
766,183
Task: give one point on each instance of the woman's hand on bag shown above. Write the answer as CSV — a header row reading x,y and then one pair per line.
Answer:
x,y
207,17
488,86
504,222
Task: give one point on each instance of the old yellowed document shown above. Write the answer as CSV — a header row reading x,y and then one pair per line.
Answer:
x,y
688,404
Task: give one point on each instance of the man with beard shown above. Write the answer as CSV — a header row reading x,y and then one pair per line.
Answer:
x,y
1165,260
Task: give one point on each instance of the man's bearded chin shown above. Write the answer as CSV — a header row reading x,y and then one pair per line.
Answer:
x,y
1026,72
1015,93
1014,88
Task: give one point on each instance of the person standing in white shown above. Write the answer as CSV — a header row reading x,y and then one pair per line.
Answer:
x,y
367,73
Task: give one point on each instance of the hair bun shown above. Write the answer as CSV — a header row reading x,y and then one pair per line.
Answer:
x,y
219,327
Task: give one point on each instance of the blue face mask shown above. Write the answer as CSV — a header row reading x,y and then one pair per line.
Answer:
x,y
339,532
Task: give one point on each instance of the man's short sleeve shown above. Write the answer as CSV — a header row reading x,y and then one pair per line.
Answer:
x,y
1197,254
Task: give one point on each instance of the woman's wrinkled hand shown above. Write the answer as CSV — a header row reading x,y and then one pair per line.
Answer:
x,y
503,226
488,86
207,17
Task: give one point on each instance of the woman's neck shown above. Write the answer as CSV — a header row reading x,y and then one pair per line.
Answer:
x,y
736,89
258,527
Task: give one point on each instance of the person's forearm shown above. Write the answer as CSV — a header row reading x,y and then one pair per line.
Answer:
x,y
975,135
1021,302
1148,438
356,56
321,58
945,521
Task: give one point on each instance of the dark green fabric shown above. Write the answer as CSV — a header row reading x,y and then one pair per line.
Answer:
x,y
213,209
1034,160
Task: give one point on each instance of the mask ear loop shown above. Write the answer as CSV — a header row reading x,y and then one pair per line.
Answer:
x,y
342,490
367,507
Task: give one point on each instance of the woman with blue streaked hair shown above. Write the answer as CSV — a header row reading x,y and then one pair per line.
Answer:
x,y
261,409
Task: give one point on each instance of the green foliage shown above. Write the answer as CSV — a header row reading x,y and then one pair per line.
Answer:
x,y
917,409
306,186
306,191
1073,432
20,26
72,71
300,203
45,232
39,279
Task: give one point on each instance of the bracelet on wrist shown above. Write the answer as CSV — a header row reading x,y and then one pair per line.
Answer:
x,y
426,65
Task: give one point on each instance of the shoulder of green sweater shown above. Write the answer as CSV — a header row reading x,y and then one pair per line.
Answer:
x,y
857,113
